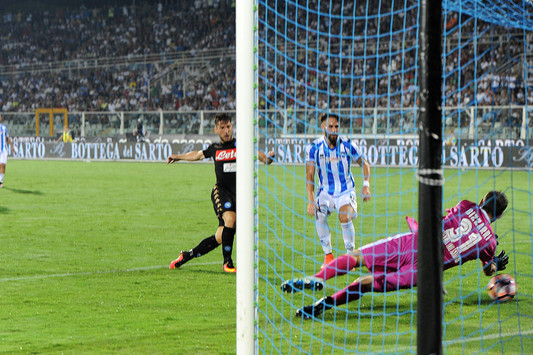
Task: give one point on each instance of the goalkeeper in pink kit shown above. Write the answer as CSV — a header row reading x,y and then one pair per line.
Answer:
x,y
392,261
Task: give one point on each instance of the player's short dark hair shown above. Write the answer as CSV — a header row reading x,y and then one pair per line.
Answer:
x,y
495,203
324,116
222,117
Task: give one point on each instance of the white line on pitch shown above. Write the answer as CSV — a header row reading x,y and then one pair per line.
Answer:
x,y
68,274
490,336
451,343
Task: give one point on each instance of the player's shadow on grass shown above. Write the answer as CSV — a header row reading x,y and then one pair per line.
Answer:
x,y
4,210
210,272
200,269
21,191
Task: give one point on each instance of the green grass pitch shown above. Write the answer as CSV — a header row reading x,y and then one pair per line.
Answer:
x,y
86,248
386,323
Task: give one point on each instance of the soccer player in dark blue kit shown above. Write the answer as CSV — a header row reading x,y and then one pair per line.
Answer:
x,y
223,195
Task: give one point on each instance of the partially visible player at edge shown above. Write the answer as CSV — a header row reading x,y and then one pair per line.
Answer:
x,y
392,261
332,156
4,141
223,194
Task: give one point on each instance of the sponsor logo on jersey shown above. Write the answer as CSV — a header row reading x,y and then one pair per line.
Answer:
x,y
230,167
226,154
329,159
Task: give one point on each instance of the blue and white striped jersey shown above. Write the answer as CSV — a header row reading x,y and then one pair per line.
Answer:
x,y
334,165
3,138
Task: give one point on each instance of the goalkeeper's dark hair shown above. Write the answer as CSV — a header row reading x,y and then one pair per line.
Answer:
x,y
222,117
495,203
324,116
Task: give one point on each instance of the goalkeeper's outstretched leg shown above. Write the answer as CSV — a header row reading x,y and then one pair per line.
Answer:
x,y
393,262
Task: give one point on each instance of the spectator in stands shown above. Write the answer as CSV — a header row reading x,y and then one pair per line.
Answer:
x,y
140,131
117,38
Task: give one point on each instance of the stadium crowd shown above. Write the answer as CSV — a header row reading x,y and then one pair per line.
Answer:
x,y
376,71
74,38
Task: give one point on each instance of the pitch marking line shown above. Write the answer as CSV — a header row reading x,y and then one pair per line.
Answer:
x,y
488,337
69,274
461,341
450,343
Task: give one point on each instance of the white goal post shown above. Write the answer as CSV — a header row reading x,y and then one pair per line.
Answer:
x,y
245,175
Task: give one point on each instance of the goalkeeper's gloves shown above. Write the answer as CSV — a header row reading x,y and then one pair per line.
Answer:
x,y
501,261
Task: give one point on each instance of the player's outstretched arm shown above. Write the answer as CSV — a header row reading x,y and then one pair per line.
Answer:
x,y
264,158
310,186
191,156
367,195
10,142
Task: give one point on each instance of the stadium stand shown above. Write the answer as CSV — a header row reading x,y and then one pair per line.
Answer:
x,y
155,56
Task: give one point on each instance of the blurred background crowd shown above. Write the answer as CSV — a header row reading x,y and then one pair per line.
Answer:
x,y
150,55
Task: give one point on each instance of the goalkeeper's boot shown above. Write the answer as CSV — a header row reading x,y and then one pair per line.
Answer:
x,y
316,309
297,285
182,259
229,268
327,259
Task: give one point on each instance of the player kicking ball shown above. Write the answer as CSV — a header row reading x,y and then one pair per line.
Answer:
x,y
223,195
392,261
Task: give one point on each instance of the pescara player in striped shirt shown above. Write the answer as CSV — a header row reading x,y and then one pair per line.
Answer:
x,y
467,235
4,141
331,157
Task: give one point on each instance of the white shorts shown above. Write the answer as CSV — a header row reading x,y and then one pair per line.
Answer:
x,y
3,157
328,203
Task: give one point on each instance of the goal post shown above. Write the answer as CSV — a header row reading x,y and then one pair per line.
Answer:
x,y
431,179
245,99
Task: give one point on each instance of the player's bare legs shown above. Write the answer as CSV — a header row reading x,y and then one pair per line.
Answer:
x,y
2,173
218,234
346,215
229,218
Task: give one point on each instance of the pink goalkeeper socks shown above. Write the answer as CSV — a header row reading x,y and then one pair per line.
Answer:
x,y
339,266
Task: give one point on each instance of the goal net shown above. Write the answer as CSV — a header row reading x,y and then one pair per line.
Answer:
x,y
359,60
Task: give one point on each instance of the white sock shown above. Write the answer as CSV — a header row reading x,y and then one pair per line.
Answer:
x,y
1,178
348,233
324,235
